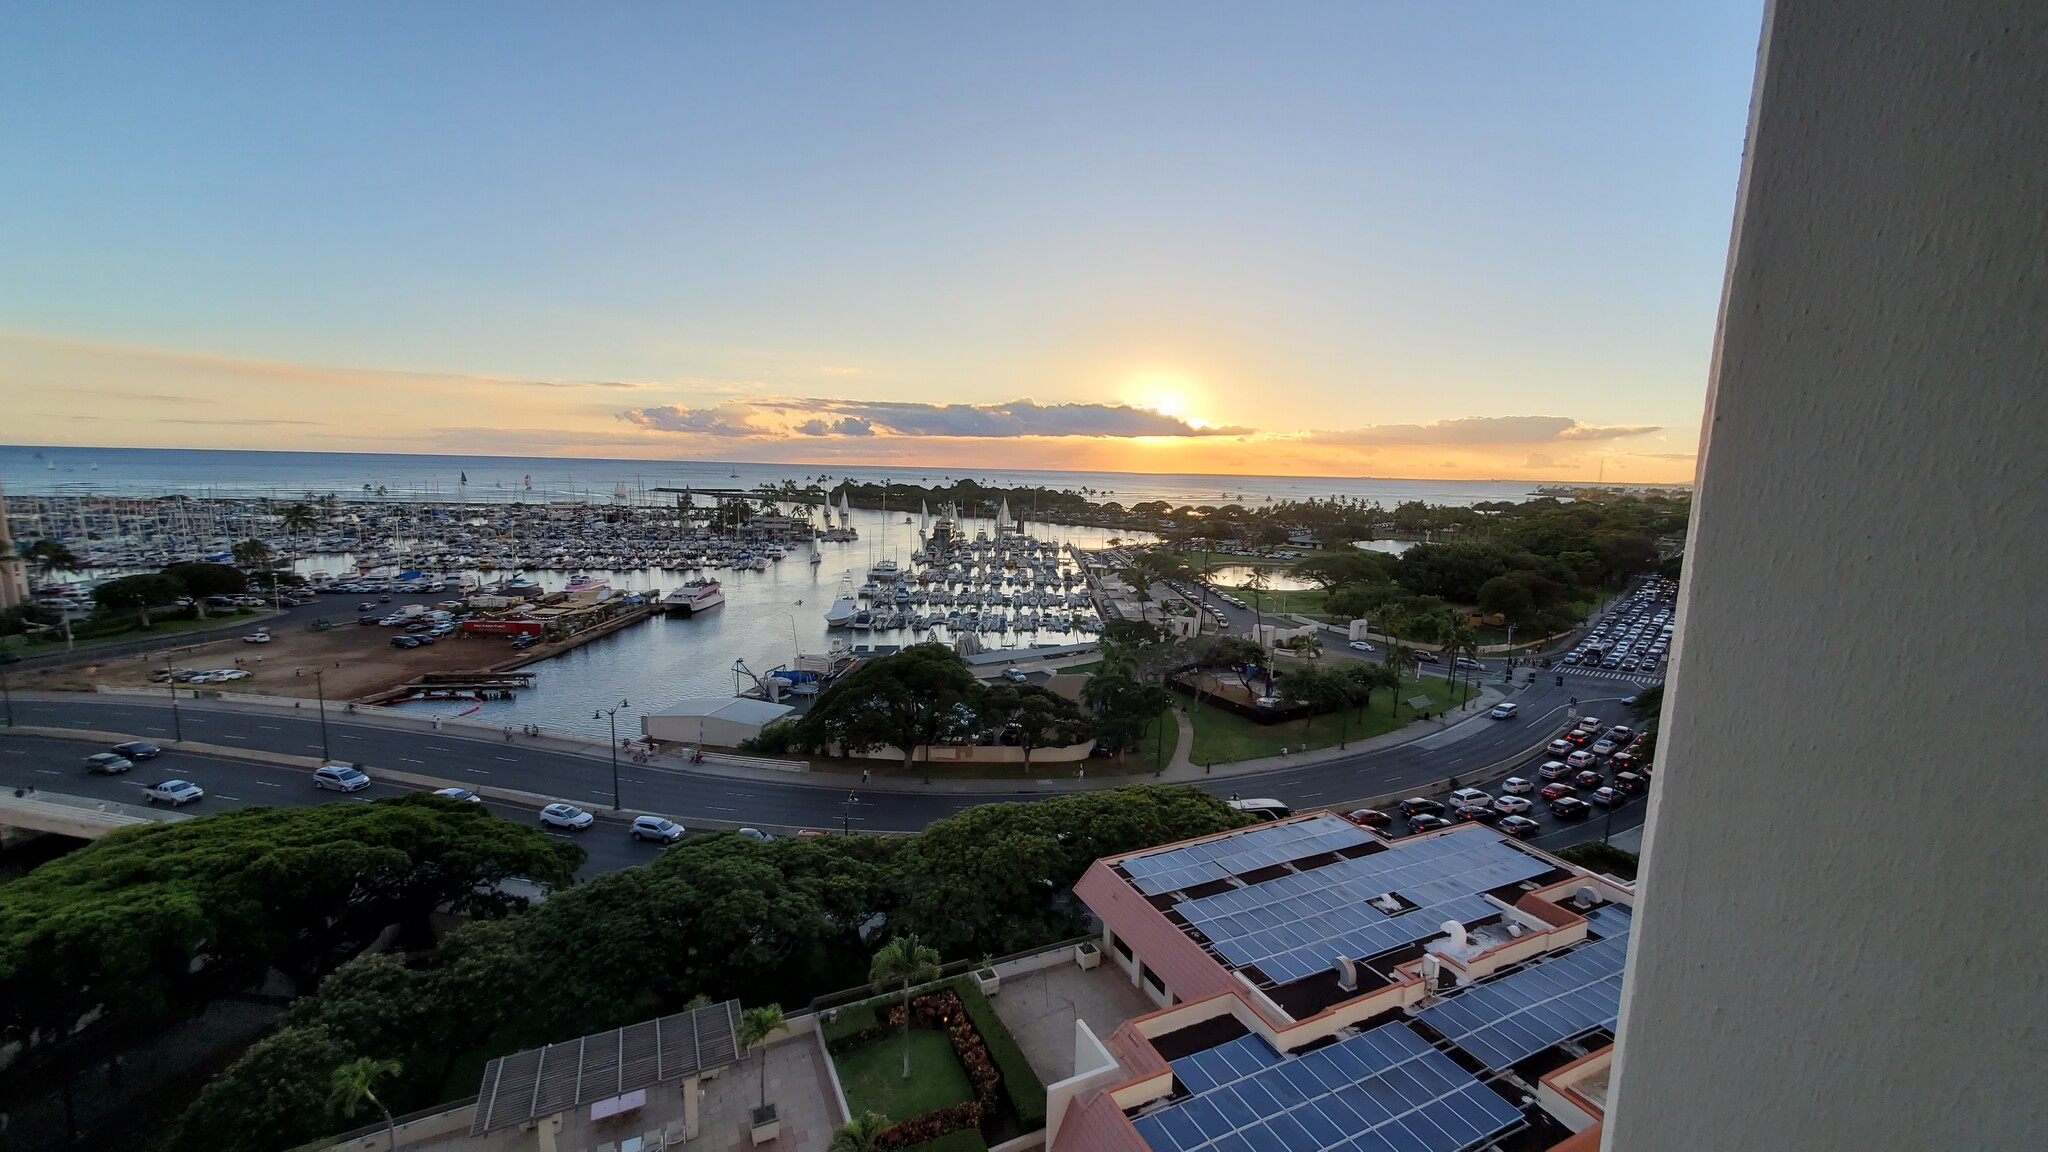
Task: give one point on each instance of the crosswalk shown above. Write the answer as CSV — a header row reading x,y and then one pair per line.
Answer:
x,y
1639,679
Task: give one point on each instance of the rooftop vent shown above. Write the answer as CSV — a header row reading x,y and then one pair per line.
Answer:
x,y
1347,974
1585,897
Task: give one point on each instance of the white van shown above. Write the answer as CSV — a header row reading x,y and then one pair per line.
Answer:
x,y
1503,712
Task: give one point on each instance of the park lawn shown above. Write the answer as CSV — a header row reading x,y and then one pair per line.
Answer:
x,y
1225,737
1143,760
85,633
872,1076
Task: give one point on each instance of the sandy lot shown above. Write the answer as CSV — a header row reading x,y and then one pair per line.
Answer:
x,y
358,661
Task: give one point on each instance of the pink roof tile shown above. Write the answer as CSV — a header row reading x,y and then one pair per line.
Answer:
x,y
1095,1124
1187,970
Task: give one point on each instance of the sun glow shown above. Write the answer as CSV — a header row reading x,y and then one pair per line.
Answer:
x,y
1167,393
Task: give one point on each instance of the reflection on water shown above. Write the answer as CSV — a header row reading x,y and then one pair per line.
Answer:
x,y
767,618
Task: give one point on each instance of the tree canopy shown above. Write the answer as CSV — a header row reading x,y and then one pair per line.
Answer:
x,y
907,699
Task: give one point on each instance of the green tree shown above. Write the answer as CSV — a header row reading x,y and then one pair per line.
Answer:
x,y
1043,719
1508,597
139,595
1323,690
756,1025
275,1096
252,556
862,1134
202,580
909,700
907,961
355,1084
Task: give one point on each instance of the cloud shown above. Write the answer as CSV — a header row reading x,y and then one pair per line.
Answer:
x,y
780,417
840,370
1475,430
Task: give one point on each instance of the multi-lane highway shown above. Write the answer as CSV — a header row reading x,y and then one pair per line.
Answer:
x,y
1477,754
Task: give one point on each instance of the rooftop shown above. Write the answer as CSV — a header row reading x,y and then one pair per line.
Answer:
x,y
734,708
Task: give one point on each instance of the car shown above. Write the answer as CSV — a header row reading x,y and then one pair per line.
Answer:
x,y
1467,662
1570,808
1630,784
1516,786
1611,662
405,642
462,794
419,626
1605,747
1424,822
259,636
1571,658
1609,797
756,834
1512,805
1558,747
340,778
1464,796
1368,818
423,639
1475,813
367,606
1589,779
1503,712
565,816
656,828
1554,770
1623,761
1428,657
1590,723
1580,759
1015,674
1649,664
1629,663
1621,734
107,764
1361,646
1417,806
1578,737
176,793
367,620
1558,790
138,750
1520,827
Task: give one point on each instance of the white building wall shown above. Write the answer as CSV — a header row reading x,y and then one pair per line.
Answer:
x,y
1839,941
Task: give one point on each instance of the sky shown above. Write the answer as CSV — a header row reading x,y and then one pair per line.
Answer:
x,y
1380,239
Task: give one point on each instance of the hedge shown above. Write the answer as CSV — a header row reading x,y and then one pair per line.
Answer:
x,y
854,1026
965,1140
1021,1084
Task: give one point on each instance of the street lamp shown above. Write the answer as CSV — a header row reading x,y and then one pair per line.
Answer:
x,y
171,682
612,714
846,814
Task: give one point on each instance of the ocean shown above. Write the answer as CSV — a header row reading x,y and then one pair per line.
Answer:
x,y
28,469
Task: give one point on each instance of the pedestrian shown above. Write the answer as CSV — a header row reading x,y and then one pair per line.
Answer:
x,y
863,775
437,723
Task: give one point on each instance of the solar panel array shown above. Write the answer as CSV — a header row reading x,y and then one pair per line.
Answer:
x,y
1511,1019
1201,1071
1200,863
1383,1091
1297,925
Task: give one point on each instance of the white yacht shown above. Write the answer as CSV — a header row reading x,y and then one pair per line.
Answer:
x,y
844,606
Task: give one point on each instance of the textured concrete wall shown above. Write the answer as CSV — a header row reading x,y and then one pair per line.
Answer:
x,y
1840,939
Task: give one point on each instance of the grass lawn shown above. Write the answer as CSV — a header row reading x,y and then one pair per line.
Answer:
x,y
1225,737
85,634
873,1076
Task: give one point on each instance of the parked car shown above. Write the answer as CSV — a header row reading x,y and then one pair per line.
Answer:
x,y
1418,806
368,620
340,778
176,793
1516,786
1015,674
656,828
1512,805
1609,797
565,816
1520,827
756,834
107,764
1464,796
1554,770
138,750
423,639
405,642
1570,808
1558,790
1368,818
1425,822
462,794
1503,712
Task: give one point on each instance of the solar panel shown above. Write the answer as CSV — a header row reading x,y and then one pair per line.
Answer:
x,y
1297,925
1502,1022
1248,851
1384,1090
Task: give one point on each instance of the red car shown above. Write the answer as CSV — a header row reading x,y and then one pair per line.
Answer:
x,y
1558,791
1369,818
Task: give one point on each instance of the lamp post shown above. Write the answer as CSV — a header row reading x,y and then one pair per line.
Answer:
x,y
846,814
320,691
170,681
612,714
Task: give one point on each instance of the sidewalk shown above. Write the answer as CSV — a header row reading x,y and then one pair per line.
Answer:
x,y
1181,770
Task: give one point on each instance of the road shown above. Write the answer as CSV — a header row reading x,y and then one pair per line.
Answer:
x,y
1491,750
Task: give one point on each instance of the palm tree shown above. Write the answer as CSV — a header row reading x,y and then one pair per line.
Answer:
x,y
298,519
355,1083
907,961
1459,640
47,557
862,1135
756,1025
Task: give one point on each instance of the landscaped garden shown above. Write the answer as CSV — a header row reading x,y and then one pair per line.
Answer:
x,y
872,1076
1223,737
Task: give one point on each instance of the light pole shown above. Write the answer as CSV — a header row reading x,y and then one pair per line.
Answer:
x,y
612,714
846,814
171,682
320,691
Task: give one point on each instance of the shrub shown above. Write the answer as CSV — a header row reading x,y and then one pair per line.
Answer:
x,y
964,1140
1021,1084
855,1026
1601,858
